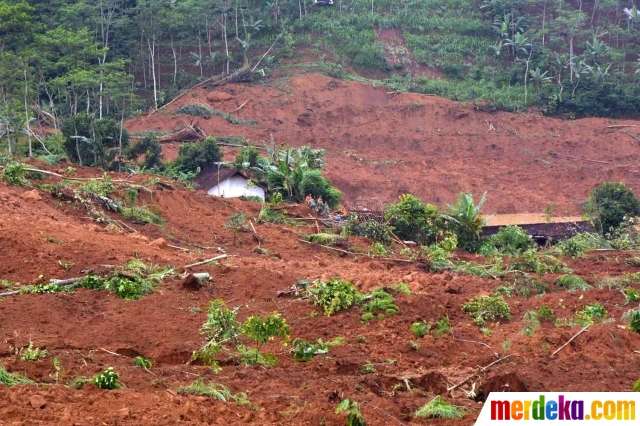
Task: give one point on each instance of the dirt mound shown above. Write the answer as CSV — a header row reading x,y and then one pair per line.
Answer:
x,y
381,144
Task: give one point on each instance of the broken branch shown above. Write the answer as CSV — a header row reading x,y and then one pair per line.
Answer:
x,y
222,256
480,370
570,340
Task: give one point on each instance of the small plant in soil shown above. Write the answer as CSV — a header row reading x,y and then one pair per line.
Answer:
x,y
572,283
442,326
381,302
352,408
334,295
438,408
368,368
532,323
57,370
108,380
591,314
305,351
545,313
238,223
30,353
212,390
420,328
221,322
414,346
631,295
13,379
633,316
142,362
262,330
483,308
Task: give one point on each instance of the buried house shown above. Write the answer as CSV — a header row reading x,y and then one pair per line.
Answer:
x,y
228,183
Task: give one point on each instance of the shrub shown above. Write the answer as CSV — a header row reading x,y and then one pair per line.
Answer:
x,y
314,183
14,174
439,408
590,314
413,220
545,313
262,330
608,205
221,323
483,308
334,295
375,231
197,155
511,240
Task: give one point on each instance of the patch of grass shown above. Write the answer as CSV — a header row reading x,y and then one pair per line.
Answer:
x,y
212,390
13,379
572,283
141,214
438,408
200,110
483,308
323,239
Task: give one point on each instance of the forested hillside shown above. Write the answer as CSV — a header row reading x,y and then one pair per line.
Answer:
x,y
110,58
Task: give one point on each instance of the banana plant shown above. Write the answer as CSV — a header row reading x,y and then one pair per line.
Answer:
x,y
538,77
467,219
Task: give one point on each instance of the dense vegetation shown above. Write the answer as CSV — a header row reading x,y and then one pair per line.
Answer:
x,y
111,58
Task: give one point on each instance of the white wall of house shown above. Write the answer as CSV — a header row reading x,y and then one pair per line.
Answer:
x,y
236,186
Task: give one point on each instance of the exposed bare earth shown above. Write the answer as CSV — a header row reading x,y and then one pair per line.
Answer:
x,y
382,144
455,151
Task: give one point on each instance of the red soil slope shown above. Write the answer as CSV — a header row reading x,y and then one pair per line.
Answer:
x,y
380,144
89,331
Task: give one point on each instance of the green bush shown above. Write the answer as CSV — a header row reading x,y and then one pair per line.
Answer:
x,y
590,314
413,220
440,409
483,308
420,328
608,205
511,240
198,155
334,295
379,301
375,231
